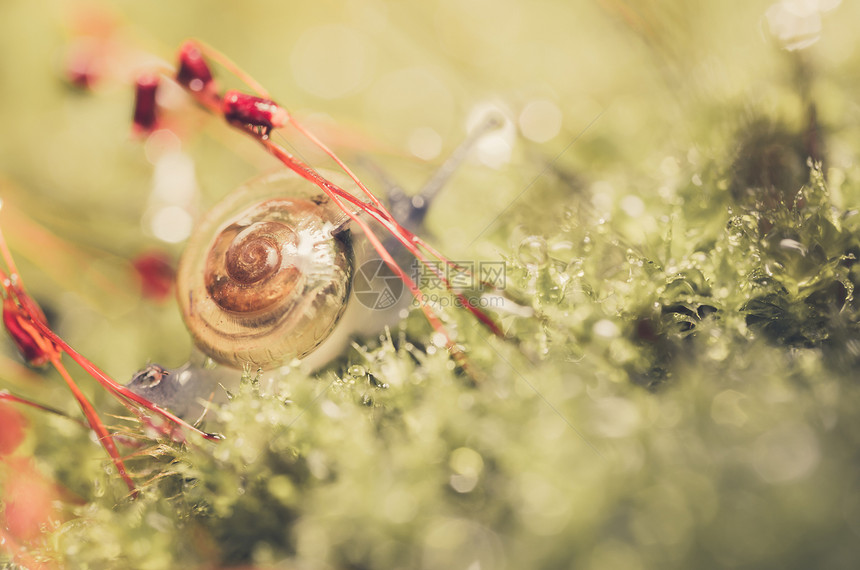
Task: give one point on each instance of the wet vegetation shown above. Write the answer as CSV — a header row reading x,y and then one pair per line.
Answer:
x,y
678,386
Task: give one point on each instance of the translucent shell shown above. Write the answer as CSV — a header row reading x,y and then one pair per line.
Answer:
x,y
267,274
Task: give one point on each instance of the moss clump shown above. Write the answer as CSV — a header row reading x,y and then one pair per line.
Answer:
x,y
678,386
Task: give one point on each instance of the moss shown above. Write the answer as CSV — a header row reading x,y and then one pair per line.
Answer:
x,y
677,388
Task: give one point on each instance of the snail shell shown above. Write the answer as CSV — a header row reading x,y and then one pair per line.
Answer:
x,y
267,274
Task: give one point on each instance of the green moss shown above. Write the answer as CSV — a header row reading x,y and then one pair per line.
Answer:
x,y
678,385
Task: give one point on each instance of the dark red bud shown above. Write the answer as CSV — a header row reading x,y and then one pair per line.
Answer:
x,y
83,66
193,72
255,111
156,275
145,116
13,319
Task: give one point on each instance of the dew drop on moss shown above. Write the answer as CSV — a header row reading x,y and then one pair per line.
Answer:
x,y
587,244
533,252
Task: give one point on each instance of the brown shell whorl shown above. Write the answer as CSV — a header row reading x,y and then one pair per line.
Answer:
x,y
248,269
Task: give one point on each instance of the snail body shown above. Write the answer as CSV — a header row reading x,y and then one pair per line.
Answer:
x,y
267,274
265,280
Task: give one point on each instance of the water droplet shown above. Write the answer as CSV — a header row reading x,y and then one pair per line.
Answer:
x,y
587,245
606,329
439,340
357,370
533,252
554,294
793,245
795,25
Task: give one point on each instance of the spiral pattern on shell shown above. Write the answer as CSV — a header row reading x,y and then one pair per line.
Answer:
x,y
267,274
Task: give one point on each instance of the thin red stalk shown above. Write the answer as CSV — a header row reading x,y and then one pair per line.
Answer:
x,y
7,257
231,66
376,210
15,284
396,229
407,238
116,388
336,193
54,356
389,261
30,319
33,325
95,422
438,255
9,397
330,153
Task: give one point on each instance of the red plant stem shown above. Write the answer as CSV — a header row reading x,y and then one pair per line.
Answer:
x,y
96,424
377,210
10,397
404,236
251,124
116,388
231,66
31,326
330,153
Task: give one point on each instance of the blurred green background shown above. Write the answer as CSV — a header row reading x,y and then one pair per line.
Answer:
x,y
623,426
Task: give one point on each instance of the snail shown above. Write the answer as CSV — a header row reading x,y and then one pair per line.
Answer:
x,y
267,275
266,280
